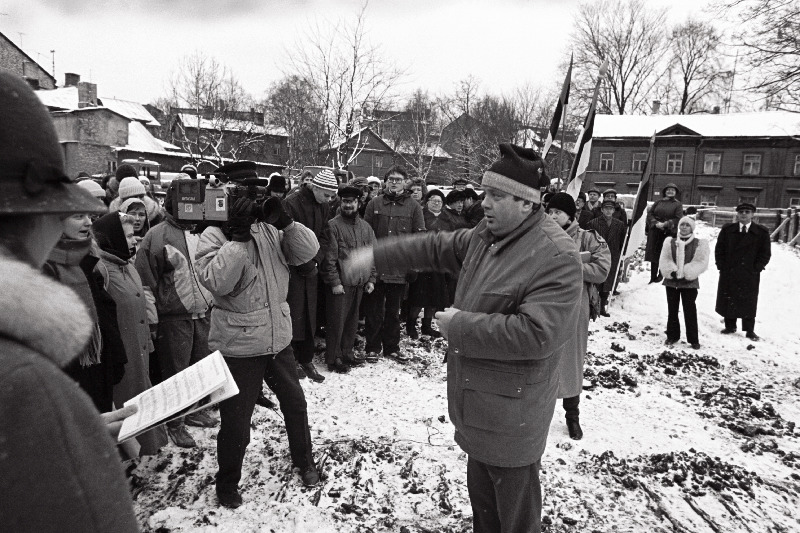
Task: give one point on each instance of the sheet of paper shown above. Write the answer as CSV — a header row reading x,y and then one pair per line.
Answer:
x,y
170,397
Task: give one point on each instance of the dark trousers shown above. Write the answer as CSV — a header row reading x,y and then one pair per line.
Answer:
x,y
748,324
504,500
341,323
382,327
180,344
236,412
674,298
654,270
304,349
571,407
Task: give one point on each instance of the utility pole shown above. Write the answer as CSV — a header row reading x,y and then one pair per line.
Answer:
x,y
53,54
20,37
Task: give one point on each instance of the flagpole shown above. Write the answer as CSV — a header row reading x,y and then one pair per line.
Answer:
x,y
561,149
592,106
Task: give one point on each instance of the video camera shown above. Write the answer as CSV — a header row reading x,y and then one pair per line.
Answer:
x,y
209,199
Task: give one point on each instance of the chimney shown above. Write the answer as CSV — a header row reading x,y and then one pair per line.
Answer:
x,y
71,79
715,111
87,94
656,107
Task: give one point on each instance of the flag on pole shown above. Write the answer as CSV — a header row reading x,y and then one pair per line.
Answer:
x,y
638,217
561,107
584,144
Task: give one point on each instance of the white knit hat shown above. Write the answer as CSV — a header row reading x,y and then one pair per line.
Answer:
x,y
93,187
326,180
129,187
145,181
689,220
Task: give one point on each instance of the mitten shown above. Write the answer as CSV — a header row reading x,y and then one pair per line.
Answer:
x,y
272,212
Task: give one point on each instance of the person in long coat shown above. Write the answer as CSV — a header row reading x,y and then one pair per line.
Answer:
x,y
596,262
619,209
451,219
116,240
682,261
742,252
310,206
662,222
613,231
429,289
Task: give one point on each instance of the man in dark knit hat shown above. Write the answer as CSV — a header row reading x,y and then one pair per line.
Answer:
x,y
521,282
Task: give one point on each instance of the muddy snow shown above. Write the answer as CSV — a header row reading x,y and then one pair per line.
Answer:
x,y
675,439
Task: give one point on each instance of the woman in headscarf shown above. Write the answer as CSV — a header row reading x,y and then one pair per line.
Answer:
x,y
115,237
101,364
683,259
135,208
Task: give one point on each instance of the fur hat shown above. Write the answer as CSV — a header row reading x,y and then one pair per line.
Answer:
x,y
93,187
563,202
374,179
325,179
519,172
348,191
125,171
455,196
434,192
129,187
277,183
32,178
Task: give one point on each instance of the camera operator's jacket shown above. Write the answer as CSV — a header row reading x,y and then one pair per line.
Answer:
x,y
518,301
249,282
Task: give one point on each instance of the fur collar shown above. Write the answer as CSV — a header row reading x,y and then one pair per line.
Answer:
x,y
41,313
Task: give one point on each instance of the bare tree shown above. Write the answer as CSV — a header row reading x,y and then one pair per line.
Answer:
x,y
348,74
418,140
769,41
632,37
695,70
209,108
290,103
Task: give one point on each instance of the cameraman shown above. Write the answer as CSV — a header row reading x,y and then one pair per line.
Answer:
x,y
244,265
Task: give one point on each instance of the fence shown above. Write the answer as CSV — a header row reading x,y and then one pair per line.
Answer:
x,y
784,224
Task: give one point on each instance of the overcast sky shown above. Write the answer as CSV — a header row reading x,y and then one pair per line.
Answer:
x,y
129,47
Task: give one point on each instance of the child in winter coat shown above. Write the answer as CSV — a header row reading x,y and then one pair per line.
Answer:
x,y
683,259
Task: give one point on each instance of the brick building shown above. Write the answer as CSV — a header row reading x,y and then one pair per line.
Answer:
x,y
714,159
14,59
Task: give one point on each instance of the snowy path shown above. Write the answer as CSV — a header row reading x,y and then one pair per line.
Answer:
x,y
389,463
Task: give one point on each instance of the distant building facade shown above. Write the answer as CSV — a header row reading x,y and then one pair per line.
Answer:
x,y
14,59
720,160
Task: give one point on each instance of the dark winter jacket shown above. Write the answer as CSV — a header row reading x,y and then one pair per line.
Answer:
x,y
740,260
474,213
614,235
619,213
515,296
584,216
393,215
59,469
342,236
302,296
450,220
667,210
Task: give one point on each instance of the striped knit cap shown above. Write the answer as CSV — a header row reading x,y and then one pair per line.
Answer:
x,y
519,172
326,180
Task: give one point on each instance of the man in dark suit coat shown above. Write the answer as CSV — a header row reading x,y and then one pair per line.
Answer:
x,y
742,252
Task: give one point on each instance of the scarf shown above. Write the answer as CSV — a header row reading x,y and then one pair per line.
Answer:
x,y
65,260
680,253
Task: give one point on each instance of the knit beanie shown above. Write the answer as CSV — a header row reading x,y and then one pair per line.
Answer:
x,y
688,220
326,180
563,202
125,171
519,172
130,186
93,187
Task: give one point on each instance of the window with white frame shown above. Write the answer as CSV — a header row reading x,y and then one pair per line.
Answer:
x,y
377,161
748,199
674,162
751,164
708,198
639,160
606,162
711,163
797,165
794,202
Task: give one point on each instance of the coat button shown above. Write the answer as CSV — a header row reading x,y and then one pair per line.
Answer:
x,y
137,294
466,380
519,389
455,350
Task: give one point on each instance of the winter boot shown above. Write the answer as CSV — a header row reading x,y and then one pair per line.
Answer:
x,y
411,329
604,304
574,428
428,330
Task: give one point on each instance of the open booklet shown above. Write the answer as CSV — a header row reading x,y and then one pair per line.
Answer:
x,y
180,394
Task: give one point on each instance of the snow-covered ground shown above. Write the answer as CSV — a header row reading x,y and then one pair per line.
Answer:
x,y
675,439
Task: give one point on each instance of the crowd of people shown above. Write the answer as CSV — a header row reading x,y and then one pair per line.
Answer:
x,y
109,291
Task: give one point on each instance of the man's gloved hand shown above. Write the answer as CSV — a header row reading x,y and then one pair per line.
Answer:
x,y
307,269
272,212
674,275
241,218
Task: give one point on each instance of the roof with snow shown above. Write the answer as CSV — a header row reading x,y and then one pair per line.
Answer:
x,y
141,140
403,147
228,124
432,150
759,124
66,99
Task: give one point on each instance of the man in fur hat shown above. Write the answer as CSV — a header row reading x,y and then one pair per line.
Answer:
x,y
521,282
